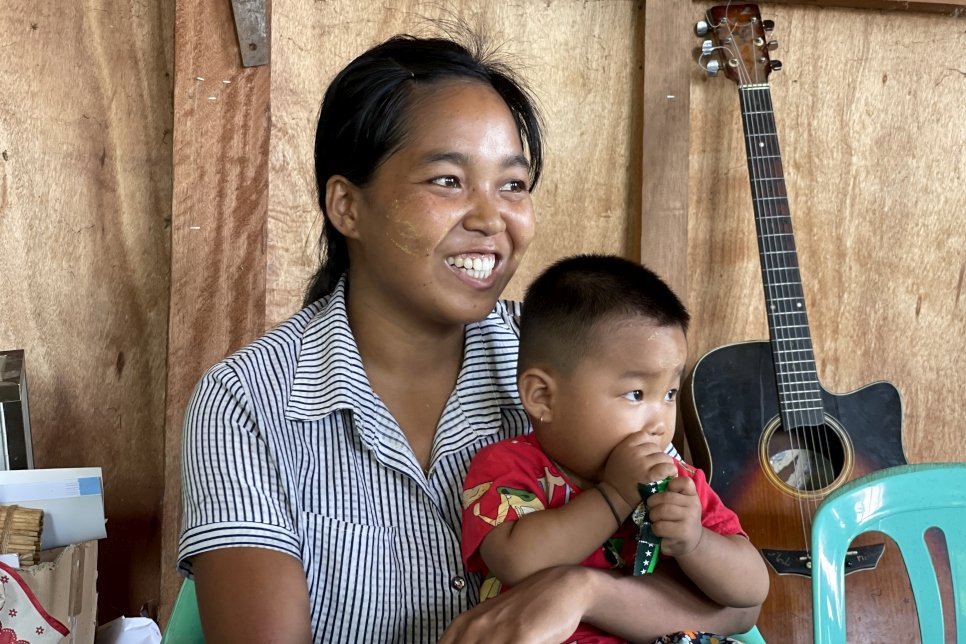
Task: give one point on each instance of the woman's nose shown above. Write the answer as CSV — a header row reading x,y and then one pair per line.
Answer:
x,y
484,215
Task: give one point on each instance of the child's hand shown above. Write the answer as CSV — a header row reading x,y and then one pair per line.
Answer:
x,y
636,459
675,516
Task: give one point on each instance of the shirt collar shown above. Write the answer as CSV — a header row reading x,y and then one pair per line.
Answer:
x,y
329,375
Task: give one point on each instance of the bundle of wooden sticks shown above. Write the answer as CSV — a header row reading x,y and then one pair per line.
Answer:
x,y
20,530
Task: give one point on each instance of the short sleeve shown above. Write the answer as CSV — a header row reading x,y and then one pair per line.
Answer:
x,y
231,493
715,515
503,483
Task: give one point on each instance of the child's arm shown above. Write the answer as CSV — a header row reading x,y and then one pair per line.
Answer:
x,y
727,568
565,535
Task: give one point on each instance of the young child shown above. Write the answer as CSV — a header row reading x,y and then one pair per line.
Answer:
x,y
602,354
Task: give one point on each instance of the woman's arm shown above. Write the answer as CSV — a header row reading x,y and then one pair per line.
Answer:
x,y
548,606
560,536
252,595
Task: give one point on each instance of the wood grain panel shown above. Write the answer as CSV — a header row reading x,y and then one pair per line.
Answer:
x,y
877,185
220,200
85,176
583,61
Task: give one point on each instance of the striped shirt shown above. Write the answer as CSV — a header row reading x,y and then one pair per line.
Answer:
x,y
286,446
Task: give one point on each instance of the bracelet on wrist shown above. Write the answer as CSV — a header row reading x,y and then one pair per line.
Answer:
x,y
607,500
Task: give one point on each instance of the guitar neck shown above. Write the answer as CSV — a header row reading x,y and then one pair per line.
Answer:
x,y
799,391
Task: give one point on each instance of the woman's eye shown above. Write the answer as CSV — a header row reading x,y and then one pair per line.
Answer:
x,y
515,185
448,181
637,395
671,395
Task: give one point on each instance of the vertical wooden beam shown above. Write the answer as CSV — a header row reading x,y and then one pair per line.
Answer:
x,y
218,228
668,41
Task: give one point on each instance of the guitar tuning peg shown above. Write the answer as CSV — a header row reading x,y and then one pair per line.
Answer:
x,y
713,67
775,65
768,25
701,28
772,45
707,47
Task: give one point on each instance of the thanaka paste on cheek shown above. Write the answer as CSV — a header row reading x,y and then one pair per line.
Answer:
x,y
403,234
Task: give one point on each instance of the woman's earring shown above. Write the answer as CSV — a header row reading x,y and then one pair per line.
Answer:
x,y
541,418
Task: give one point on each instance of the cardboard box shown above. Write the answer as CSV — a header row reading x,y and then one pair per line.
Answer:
x,y
65,583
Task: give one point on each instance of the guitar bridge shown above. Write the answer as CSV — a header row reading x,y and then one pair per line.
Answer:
x,y
799,562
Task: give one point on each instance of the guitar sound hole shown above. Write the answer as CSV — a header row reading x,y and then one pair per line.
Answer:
x,y
807,459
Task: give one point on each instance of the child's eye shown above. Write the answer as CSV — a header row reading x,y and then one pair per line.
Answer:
x,y
637,395
448,181
671,395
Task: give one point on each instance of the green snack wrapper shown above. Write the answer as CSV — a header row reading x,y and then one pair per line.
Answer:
x,y
648,545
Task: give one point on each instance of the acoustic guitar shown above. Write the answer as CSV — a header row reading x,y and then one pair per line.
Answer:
x,y
773,441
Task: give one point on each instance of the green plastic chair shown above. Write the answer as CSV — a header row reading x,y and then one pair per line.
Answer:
x,y
751,637
901,502
184,626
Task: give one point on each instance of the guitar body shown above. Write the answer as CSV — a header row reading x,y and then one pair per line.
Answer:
x,y
729,404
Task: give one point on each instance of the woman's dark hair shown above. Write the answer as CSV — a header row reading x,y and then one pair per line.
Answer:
x,y
363,120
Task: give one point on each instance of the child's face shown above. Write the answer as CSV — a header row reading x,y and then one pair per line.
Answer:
x,y
627,383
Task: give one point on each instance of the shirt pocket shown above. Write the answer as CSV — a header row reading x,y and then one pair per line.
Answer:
x,y
353,572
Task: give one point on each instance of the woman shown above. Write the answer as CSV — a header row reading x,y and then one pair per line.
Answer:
x,y
323,463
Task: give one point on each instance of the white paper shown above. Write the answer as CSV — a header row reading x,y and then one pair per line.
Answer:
x,y
129,630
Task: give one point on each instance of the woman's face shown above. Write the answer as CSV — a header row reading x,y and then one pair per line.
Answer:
x,y
445,220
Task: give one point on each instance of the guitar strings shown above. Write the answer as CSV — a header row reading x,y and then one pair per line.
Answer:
x,y
784,305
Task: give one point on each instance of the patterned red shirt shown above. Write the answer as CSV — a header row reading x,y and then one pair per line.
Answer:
x,y
514,477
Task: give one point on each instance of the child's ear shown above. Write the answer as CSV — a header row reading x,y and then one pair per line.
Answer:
x,y
537,391
341,205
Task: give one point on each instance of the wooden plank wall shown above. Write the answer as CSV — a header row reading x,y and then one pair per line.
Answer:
x,y
219,209
85,202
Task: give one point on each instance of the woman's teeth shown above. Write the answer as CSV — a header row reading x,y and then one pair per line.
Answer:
x,y
478,267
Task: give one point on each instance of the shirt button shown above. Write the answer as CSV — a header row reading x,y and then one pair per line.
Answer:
x,y
457,583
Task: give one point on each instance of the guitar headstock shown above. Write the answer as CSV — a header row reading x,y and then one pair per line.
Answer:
x,y
739,43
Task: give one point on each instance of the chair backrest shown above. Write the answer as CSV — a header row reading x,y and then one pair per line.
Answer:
x,y
184,626
901,502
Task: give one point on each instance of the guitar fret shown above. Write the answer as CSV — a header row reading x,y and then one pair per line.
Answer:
x,y
817,408
776,198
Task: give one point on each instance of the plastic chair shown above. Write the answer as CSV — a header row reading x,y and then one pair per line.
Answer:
x,y
751,637
901,502
184,625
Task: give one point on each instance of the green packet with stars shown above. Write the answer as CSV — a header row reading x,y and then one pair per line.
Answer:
x,y
648,545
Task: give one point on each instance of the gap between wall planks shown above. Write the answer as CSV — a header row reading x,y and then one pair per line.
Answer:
x,y
221,183
218,228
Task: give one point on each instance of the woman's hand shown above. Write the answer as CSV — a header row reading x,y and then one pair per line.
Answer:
x,y
546,607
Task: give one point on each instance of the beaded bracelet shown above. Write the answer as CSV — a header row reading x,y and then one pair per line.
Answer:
x,y
607,500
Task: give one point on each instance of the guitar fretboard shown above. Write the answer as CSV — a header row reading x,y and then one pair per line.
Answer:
x,y
799,392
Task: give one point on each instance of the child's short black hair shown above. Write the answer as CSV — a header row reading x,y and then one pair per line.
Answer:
x,y
570,298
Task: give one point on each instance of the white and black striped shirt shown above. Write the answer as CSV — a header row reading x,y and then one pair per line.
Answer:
x,y
287,447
